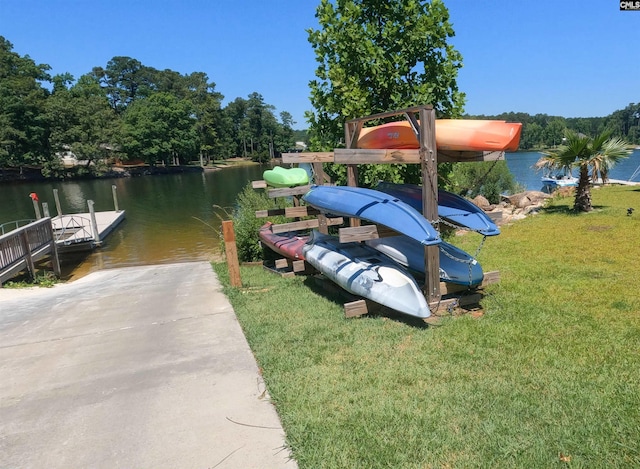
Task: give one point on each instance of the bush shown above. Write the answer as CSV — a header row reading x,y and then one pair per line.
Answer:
x,y
489,178
246,224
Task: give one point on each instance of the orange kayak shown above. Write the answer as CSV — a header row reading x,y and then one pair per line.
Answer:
x,y
451,134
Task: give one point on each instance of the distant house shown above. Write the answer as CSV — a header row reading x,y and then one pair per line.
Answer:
x,y
68,158
301,146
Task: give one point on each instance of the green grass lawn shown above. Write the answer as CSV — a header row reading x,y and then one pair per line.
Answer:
x,y
549,376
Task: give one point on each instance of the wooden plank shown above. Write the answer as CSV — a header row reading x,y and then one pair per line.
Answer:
x,y
491,277
358,233
259,184
304,225
391,156
446,304
355,309
375,156
429,169
308,157
269,213
288,191
231,252
384,115
447,288
450,156
299,266
282,263
363,233
291,212
302,211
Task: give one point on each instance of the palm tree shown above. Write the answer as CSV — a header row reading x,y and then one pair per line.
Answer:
x,y
594,158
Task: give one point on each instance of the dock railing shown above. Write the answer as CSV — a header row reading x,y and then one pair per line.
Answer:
x,y
22,247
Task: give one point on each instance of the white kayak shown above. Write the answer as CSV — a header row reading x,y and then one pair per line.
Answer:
x,y
365,272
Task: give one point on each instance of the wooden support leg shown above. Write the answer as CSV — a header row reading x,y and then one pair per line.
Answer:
x,y
232,253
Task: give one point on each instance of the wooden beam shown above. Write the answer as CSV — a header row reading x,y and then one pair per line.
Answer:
x,y
429,168
355,309
288,191
450,156
290,212
384,115
375,156
259,184
282,263
308,157
231,252
304,225
388,156
299,266
363,233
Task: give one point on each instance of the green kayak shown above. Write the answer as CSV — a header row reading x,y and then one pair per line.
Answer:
x,y
282,177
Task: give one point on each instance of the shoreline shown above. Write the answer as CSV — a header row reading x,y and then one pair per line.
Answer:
x,y
21,175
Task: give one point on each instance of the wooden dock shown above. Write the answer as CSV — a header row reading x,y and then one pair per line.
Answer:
x,y
84,231
21,248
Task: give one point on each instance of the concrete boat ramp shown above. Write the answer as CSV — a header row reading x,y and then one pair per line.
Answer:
x,y
133,367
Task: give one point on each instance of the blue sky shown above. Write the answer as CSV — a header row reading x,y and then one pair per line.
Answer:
x,y
560,57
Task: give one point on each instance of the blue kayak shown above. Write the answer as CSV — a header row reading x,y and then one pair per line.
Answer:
x,y
451,207
374,206
456,266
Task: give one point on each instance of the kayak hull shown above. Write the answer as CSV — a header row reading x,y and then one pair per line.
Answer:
x,y
451,134
374,206
286,244
456,266
451,207
365,272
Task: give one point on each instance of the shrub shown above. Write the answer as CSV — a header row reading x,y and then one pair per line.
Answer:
x,y
489,179
246,224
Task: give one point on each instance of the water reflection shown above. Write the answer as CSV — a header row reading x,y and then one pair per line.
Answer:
x,y
169,218
74,196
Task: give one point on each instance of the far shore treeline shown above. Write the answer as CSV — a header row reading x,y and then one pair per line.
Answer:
x,y
127,111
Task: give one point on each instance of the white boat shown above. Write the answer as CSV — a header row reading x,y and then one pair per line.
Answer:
x,y
559,179
365,272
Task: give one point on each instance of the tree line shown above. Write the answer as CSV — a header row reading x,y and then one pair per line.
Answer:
x,y
128,111
542,131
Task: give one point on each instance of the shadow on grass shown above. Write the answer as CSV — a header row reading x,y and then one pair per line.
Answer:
x,y
563,210
332,292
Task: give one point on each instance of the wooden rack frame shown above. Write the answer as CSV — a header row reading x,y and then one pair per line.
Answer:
x,y
423,121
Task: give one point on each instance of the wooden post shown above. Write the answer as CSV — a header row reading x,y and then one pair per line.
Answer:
x,y
231,251
36,208
24,239
45,209
351,133
428,161
114,192
55,260
94,222
57,199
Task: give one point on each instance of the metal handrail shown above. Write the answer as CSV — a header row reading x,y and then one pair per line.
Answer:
x,y
72,224
16,224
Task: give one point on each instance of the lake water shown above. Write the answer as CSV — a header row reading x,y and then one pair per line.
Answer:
x,y
172,218
521,166
169,218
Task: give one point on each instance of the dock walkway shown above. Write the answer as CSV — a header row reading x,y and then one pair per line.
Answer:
x,y
76,231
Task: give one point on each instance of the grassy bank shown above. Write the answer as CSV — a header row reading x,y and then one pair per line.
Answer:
x,y
547,377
